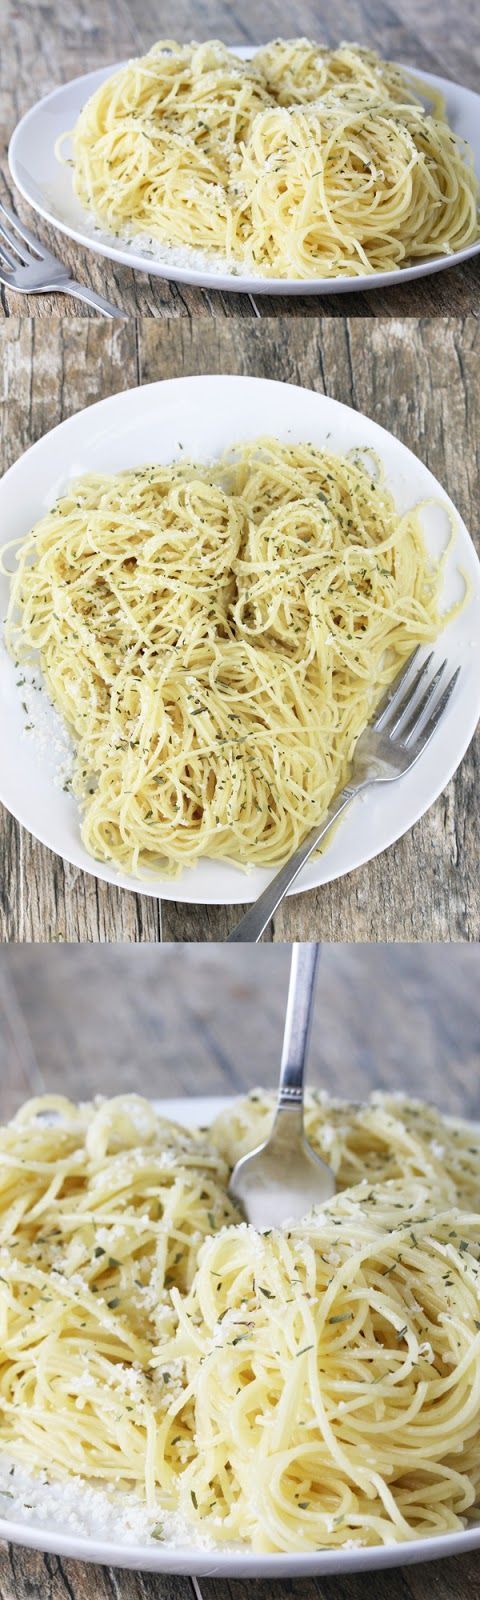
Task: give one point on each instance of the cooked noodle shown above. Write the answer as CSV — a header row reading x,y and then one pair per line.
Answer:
x,y
102,1209
303,162
310,1387
216,639
333,1371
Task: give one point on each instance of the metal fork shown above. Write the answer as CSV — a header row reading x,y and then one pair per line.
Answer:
x,y
36,271
402,727
284,1177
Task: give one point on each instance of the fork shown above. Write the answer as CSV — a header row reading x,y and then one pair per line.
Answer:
x,y
402,728
284,1177
36,270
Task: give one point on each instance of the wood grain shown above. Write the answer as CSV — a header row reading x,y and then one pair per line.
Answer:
x,y
45,44
209,1020
421,378
27,1575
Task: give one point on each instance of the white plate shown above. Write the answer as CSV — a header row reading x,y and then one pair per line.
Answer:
x,y
224,1563
207,414
48,187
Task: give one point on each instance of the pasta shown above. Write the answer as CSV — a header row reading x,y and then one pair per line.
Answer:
x,y
335,1379
102,1208
305,1388
215,639
353,189
303,162
299,71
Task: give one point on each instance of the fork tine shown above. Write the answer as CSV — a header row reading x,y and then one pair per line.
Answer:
x,y
20,258
416,718
6,256
438,711
20,227
391,699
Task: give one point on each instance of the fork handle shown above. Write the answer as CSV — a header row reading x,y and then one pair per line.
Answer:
x,y
255,921
297,1025
288,1123
80,291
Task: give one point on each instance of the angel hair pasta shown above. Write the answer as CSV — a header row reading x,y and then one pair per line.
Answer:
x,y
332,1375
303,162
215,639
309,1387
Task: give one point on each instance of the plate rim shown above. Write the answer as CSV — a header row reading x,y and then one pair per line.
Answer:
x,y
196,1562
193,1562
228,282
171,889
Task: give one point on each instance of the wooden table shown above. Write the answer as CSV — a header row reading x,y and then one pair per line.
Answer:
x,y
45,44
422,380
210,1020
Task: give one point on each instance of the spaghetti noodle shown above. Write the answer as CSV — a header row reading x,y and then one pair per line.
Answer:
x,y
311,1387
102,1209
216,639
301,163
334,1375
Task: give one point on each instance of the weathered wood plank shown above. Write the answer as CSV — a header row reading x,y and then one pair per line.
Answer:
x,y
419,378
25,1574
449,1580
46,44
